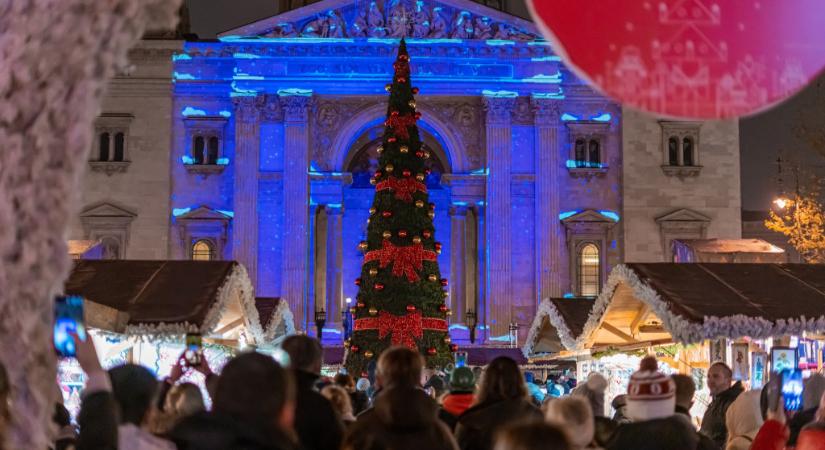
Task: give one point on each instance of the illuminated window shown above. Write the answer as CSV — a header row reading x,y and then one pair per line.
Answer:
x,y
588,270
202,250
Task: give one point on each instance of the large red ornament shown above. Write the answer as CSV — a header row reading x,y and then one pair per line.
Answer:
x,y
454,348
427,234
379,286
386,214
404,329
404,188
402,233
432,351
410,308
406,260
689,58
358,282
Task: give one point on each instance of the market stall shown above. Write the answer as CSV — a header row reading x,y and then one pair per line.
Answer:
x,y
726,251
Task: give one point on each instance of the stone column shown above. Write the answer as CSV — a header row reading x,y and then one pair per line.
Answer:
x,y
296,209
335,261
458,253
245,221
499,151
549,231
317,266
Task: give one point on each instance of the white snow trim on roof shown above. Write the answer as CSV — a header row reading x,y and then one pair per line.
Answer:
x,y
686,332
236,286
549,310
282,314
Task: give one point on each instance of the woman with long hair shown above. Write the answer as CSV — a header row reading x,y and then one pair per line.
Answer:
x,y
501,400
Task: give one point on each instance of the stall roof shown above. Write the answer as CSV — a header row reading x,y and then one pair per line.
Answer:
x,y
557,325
173,297
688,303
727,251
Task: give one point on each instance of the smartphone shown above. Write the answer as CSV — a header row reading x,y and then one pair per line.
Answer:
x,y
774,389
460,359
792,389
68,317
194,349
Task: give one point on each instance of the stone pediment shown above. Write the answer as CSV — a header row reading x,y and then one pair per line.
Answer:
x,y
204,213
413,19
683,215
589,216
105,209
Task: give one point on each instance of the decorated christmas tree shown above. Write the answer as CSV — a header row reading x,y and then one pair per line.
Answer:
x,y
401,297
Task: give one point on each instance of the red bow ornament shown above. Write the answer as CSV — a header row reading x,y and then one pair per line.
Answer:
x,y
404,329
399,124
405,260
404,188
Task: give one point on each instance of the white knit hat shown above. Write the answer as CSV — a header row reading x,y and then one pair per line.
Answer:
x,y
650,393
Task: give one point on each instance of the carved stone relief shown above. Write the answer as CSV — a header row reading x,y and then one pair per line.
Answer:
x,y
328,114
465,116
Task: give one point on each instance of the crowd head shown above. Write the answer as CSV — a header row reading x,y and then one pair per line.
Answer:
x,y
502,380
305,353
720,378
399,367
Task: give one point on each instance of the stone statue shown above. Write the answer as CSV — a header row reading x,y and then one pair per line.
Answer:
x,y
359,27
483,28
502,32
462,26
316,28
398,20
439,25
336,25
375,21
421,20
285,29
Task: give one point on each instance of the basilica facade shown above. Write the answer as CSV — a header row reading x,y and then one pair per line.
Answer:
x,y
259,147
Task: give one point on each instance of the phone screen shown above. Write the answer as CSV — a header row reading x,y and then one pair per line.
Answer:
x,y
792,389
194,349
460,359
68,317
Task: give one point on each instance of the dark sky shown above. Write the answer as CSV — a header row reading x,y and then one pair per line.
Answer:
x,y
762,137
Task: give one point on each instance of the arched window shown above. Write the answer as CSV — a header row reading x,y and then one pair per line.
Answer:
x,y
581,153
104,147
197,152
120,144
202,251
589,269
673,151
212,151
687,151
594,153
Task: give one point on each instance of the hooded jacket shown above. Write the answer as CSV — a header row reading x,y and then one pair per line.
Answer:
x,y
316,423
669,433
453,406
477,426
743,420
713,423
215,431
401,418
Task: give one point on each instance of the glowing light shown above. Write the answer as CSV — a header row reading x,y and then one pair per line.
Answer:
x,y
602,117
186,159
429,41
240,92
499,94
246,76
546,58
223,161
190,111
499,42
456,326
567,117
240,55
349,300
501,338
332,330
180,211
569,295
183,76
567,214
573,164
225,113
483,171
541,78
610,214
781,202
181,57
295,92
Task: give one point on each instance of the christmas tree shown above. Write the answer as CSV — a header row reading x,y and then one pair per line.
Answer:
x,y
401,297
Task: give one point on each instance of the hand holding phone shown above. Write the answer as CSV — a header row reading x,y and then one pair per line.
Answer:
x,y
194,349
68,324
792,387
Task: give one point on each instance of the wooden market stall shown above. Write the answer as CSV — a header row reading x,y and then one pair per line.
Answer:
x,y
726,251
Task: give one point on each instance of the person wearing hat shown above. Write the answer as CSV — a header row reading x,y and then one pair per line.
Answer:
x,y
460,398
651,408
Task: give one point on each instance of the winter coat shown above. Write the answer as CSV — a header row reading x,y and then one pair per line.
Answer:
x,y
453,406
97,421
360,402
400,419
132,437
316,423
798,421
215,431
670,433
774,436
743,420
705,443
713,423
478,425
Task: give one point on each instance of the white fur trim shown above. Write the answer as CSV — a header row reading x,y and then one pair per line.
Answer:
x,y
549,310
282,314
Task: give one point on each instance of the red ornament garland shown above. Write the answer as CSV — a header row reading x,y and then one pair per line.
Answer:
x,y
399,124
404,187
405,260
404,329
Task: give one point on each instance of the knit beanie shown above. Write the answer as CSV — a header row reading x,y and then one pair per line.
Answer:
x,y
650,393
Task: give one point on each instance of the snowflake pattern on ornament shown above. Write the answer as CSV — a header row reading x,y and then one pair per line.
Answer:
x,y
690,58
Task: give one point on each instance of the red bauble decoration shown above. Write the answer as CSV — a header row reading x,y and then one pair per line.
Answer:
x,y
427,171
443,308
402,233
360,305
406,173
454,348
444,282
432,351
695,59
427,234
402,80
378,174
417,115
419,154
415,90
394,113
354,348
358,282
386,214
410,308
438,246
392,139
378,286
404,57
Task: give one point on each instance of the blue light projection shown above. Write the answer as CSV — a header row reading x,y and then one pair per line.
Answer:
x,y
190,111
183,76
610,214
499,94
180,57
605,117
567,214
499,42
567,117
225,113
241,55
295,92
177,212
574,164
227,213
223,161
186,159
569,295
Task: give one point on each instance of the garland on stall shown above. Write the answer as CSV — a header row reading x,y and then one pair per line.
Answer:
x,y
281,315
548,309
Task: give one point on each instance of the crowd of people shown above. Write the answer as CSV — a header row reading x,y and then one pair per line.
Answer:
x,y
256,404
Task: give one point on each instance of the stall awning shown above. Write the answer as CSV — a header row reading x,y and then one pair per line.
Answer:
x,y
688,303
557,325
170,298
726,251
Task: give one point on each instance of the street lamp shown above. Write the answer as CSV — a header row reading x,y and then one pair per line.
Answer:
x,y
345,319
472,321
320,321
781,202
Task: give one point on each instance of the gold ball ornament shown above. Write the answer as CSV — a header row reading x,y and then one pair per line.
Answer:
x,y
419,203
386,235
373,210
404,149
373,272
426,155
447,340
388,87
432,277
412,103
416,240
431,214
420,177
362,245
380,149
369,354
389,168
373,181
373,311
